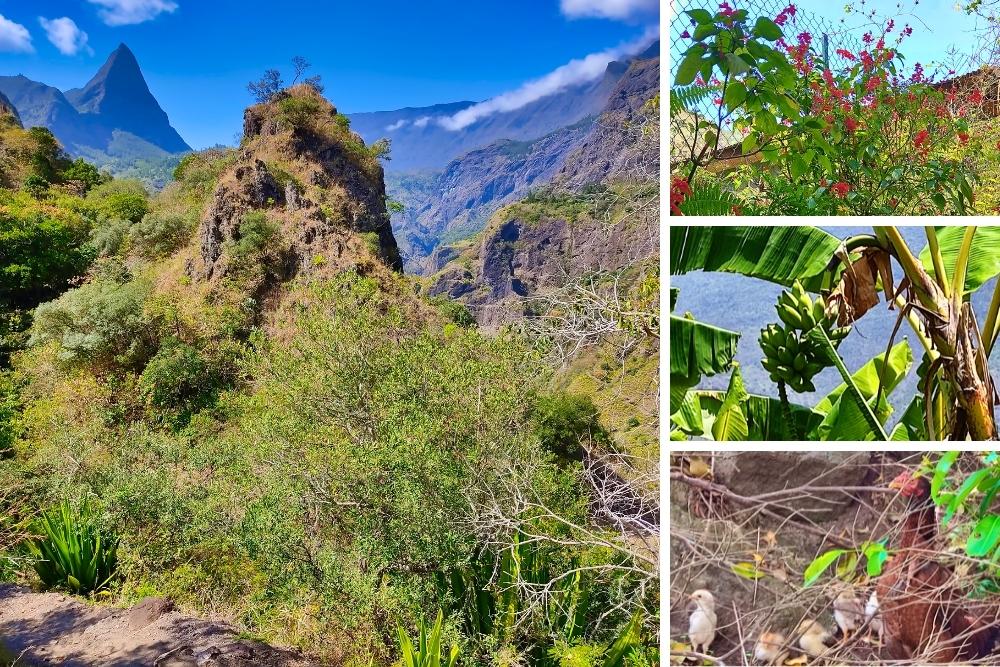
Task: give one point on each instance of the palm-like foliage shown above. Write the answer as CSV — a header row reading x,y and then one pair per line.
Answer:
x,y
427,652
71,551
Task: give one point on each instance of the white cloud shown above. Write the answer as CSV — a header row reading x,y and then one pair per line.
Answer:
x,y
395,126
65,35
14,37
128,12
609,9
422,121
572,73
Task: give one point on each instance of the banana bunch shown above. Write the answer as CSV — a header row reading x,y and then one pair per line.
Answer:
x,y
789,356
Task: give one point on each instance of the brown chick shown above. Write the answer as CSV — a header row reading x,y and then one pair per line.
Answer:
x,y
771,648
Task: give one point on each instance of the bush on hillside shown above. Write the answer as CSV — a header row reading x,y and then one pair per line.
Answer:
x,y
160,233
565,423
126,199
101,323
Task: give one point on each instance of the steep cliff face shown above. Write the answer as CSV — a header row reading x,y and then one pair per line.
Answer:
x,y
303,174
601,213
461,200
448,206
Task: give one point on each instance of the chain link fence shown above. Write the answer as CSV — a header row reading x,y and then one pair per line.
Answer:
x,y
828,35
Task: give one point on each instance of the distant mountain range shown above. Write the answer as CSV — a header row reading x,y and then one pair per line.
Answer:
x,y
450,181
113,120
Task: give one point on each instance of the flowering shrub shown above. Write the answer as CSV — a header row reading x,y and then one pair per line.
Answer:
x,y
857,139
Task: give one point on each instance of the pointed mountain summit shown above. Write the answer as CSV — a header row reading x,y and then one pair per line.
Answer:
x,y
119,95
114,121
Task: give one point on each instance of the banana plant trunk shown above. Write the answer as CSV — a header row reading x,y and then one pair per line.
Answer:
x,y
953,330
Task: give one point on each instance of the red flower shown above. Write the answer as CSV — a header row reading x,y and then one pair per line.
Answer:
x,y
680,190
850,124
785,14
840,189
963,138
921,139
893,203
726,10
844,53
976,96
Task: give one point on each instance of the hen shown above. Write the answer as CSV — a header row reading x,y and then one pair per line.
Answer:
x,y
924,617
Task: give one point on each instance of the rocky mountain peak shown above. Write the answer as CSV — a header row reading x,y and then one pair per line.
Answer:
x,y
312,178
119,95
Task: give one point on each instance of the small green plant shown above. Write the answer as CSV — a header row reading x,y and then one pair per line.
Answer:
x,y
428,651
71,550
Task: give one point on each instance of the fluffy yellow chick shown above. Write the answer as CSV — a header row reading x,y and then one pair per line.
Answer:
x,y
701,625
771,648
848,612
813,637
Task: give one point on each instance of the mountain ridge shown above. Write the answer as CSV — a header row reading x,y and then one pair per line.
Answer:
x,y
113,118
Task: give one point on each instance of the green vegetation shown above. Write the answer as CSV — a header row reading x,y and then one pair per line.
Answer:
x,y
328,458
71,551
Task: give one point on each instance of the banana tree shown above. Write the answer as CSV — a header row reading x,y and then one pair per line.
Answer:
x,y
956,394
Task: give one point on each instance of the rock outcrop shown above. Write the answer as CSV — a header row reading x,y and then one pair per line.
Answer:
x,y
600,214
442,207
311,178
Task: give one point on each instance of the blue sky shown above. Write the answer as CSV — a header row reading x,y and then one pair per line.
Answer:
x,y
197,55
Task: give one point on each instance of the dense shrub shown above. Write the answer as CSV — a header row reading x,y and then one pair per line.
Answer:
x,y
160,233
109,235
565,423
126,199
178,380
100,323
84,173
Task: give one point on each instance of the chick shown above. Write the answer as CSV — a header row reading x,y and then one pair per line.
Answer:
x,y
701,625
872,612
771,649
813,637
848,612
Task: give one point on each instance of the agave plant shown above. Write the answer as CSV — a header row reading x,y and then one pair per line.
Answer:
x,y
427,652
71,551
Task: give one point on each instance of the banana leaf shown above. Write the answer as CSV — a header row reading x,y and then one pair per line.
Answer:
x,y
852,416
778,254
765,417
731,422
912,426
698,349
984,258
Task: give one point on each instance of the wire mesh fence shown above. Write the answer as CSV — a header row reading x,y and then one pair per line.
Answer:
x,y
829,36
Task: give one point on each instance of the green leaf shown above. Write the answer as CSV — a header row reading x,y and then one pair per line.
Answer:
x,y
912,425
941,472
736,94
778,254
700,15
970,484
765,416
820,565
736,64
746,570
984,258
767,29
983,540
689,65
698,349
875,555
853,394
731,423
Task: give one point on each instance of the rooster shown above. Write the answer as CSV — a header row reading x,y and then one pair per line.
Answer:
x,y
924,617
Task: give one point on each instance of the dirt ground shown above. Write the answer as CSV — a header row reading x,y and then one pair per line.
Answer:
x,y
56,629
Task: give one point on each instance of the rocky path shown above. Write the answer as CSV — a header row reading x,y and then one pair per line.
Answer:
x,y
56,629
